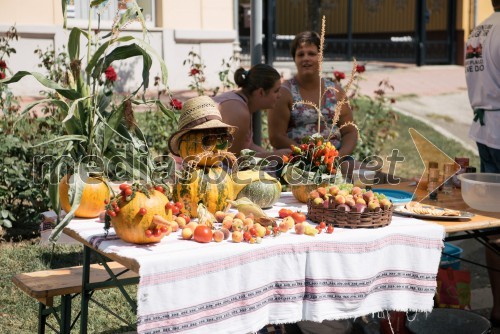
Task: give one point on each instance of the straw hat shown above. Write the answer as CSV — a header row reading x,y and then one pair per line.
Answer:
x,y
197,113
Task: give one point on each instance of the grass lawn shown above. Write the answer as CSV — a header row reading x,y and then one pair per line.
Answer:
x,y
412,166
18,312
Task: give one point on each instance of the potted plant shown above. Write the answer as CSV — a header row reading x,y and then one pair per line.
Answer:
x,y
97,138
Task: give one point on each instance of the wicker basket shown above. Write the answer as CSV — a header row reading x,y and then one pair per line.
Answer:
x,y
350,219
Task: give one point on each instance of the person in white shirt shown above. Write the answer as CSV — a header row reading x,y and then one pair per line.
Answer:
x,y
482,74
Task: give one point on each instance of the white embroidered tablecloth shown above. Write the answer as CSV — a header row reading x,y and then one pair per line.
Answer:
x,y
229,287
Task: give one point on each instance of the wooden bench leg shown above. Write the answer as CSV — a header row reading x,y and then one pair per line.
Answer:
x,y
65,314
42,318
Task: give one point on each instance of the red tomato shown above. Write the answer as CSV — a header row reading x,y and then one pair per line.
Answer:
x,y
175,210
160,189
169,205
285,212
128,191
329,229
322,225
124,186
203,234
187,218
180,205
143,211
247,236
298,217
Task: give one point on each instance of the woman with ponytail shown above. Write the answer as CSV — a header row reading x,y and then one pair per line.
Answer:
x,y
258,88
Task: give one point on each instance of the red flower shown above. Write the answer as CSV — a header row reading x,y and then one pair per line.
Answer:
x,y
3,65
2,75
339,75
360,68
110,74
194,71
176,104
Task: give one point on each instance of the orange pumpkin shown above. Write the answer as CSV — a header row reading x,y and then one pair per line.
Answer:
x,y
131,222
190,146
211,186
95,192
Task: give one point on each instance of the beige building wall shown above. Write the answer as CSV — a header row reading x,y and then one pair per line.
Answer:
x,y
32,12
203,26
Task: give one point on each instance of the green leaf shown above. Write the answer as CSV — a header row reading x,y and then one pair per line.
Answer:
x,y
5,213
114,121
66,92
96,3
74,105
163,66
63,139
74,44
59,103
64,5
7,223
97,55
125,52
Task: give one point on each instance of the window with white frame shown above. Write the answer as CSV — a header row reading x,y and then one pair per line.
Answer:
x,y
79,9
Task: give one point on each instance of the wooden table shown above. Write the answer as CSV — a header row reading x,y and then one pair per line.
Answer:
x,y
481,220
282,280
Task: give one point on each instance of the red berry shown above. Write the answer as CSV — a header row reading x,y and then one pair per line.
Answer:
x,y
163,229
128,191
160,189
124,186
143,211
156,232
117,209
148,233
169,205
329,229
111,213
180,205
322,225
106,201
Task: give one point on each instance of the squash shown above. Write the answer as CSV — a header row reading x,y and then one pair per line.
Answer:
x,y
95,192
260,187
130,225
211,186
190,146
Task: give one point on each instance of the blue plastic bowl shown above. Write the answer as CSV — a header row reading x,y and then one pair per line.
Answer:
x,y
448,261
397,197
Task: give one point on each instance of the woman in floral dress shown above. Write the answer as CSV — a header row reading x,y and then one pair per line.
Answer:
x,y
288,124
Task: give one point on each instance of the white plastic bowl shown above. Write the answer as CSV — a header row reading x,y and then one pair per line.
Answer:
x,y
481,191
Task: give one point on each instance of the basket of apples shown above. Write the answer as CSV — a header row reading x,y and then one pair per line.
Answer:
x,y
348,206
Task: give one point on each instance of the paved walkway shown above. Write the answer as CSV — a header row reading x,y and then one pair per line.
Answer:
x,y
436,95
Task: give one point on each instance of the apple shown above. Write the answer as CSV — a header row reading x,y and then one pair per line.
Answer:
x,y
219,216
218,235
187,233
300,228
339,199
237,236
334,190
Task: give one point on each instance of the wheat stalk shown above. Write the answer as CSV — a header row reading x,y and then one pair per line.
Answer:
x,y
320,70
